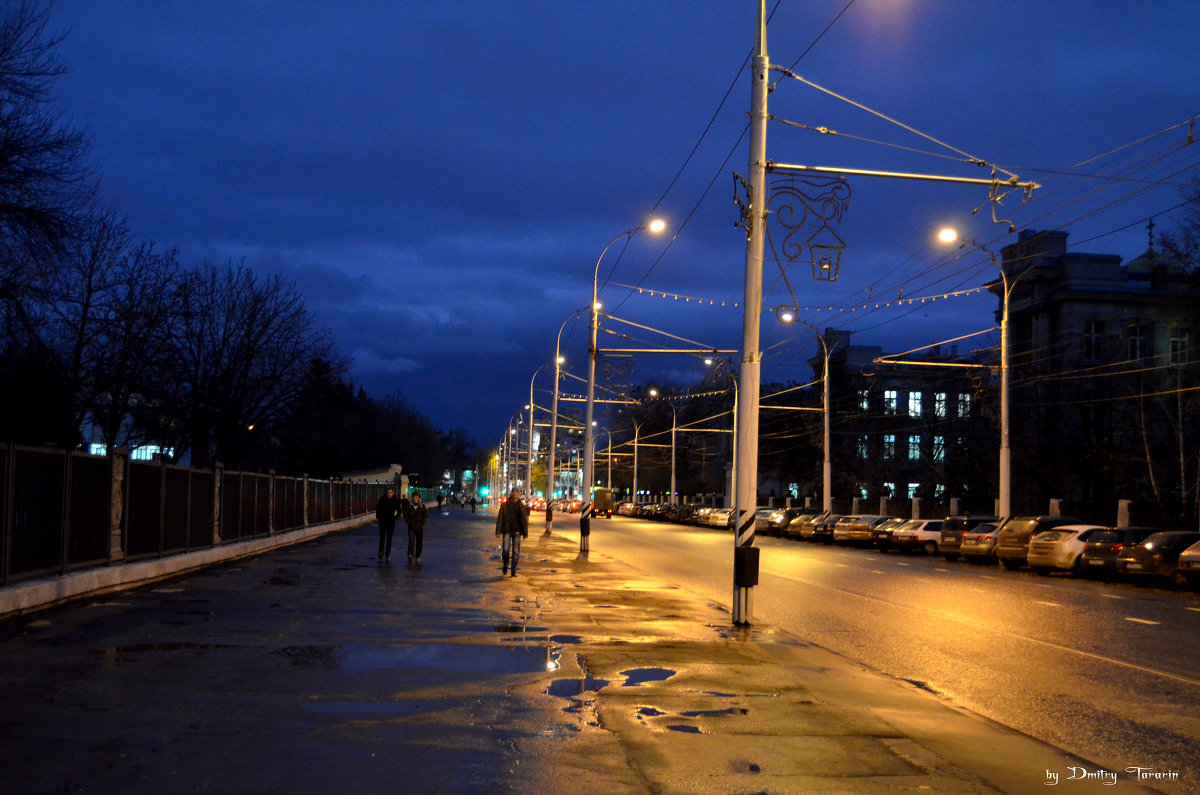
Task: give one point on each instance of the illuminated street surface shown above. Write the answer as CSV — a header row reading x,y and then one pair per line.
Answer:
x,y
1109,671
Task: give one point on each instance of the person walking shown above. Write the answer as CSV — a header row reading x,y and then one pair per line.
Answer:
x,y
386,512
512,524
474,502
415,516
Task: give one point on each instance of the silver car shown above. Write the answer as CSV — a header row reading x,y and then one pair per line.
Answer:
x,y
1060,549
979,544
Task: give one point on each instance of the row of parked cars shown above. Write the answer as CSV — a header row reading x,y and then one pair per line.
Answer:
x,y
1043,543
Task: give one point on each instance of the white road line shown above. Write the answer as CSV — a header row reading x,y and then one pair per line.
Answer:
x,y
1194,609
1140,620
1048,604
1114,596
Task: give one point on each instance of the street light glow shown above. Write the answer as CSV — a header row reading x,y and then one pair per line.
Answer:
x,y
948,235
786,314
657,225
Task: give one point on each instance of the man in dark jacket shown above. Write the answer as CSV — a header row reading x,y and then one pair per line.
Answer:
x,y
386,511
512,524
416,515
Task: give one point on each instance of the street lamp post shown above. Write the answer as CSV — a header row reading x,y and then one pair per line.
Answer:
x,y
674,424
585,514
550,462
1004,487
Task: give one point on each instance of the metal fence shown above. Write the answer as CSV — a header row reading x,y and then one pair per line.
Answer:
x,y
61,510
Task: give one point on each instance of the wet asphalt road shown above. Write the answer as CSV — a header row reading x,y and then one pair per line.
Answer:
x,y
1108,671
297,671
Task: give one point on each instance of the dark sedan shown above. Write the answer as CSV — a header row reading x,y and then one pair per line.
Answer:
x,y
1157,557
1099,557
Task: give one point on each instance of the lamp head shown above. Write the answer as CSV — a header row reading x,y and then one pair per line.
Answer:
x,y
657,225
786,314
948,235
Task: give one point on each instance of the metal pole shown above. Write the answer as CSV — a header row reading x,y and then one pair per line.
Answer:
x,y
1005,451
636,431
588,441
674,423
826,466
745,568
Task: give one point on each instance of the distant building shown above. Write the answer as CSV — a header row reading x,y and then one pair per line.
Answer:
x,y
920,429
1103,355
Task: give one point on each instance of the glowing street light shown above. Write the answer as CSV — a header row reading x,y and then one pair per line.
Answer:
x,y
950,236
656,225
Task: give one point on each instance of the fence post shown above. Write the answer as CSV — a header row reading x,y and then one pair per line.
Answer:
x,y
1123,511
954,506
119,460
271,502
64,536
304,501
916,507
218,485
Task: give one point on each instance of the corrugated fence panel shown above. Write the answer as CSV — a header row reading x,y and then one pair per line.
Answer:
x,y
176,507
200,522
91,489
37,511
143,509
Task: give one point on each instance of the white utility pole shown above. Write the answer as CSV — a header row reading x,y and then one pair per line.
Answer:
x,y
745,565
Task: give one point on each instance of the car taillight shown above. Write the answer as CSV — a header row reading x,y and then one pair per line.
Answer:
x,y
1157,558
1116,547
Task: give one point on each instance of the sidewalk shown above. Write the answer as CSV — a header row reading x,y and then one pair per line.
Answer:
x,y
318,669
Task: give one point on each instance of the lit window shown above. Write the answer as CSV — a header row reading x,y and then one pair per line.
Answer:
x,y
914,448
889,489
890,400
889,446
914,404
939,405
912,490
964,404
864,400
939,449
863,447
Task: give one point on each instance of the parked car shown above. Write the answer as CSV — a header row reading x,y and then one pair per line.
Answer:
x,y
720,518
918,535
805,522
1157,557
1060,548
780,518
823,530
858,529
1012,543
841,529
1189,564
762,519
979,544
700,515
881,534
625,509
955,529
1099,557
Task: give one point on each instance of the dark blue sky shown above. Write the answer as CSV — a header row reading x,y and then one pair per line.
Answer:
x,y
439,178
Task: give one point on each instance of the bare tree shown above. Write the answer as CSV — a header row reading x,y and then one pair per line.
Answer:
x,y
240,357
45,183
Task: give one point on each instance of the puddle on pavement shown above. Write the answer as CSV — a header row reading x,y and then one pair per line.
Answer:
x,y
566,640
685,729
518,628
712,713
650,712
568,688
456,657
640,676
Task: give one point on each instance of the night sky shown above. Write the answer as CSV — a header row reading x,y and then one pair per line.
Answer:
x,y
438,179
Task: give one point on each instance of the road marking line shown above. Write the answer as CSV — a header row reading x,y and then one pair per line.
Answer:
x,y
1140,620
902,563
1114,596
877,571
1048,604
1195,609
